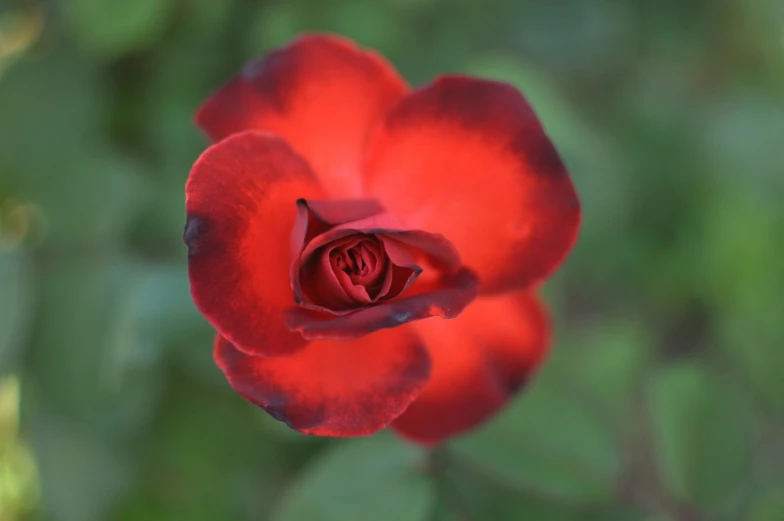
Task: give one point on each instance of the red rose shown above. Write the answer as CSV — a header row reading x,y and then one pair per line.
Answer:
x,y
339,208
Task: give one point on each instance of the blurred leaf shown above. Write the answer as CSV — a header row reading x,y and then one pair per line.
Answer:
x,y
188,66
81,475
96,201
161,319
86,188
607,361
19,494
273,24
470,497
228,439
156,318
739,134
18,473
596,34
769,507
702,437
207,459
70,118
371,24
622,513
549,443
82,304
144,508
442,513
110,29
475,497
207,18
9,410
16,299
741,235
376,478
158,312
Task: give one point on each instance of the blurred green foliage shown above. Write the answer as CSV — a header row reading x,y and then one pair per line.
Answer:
x,y
663,398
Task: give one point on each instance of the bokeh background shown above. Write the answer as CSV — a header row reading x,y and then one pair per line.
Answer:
x,y
664,395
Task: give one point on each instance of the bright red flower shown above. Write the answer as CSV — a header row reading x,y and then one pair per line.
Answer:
x,y
339,208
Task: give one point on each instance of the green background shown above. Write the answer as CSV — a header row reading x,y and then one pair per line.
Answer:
x,y
664,396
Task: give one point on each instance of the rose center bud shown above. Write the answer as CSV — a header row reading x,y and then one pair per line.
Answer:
x,y
363,261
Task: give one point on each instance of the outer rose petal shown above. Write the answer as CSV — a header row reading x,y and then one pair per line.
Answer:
x,y
479,360
321,93
468,158
431,249
240,202
333,388
446,298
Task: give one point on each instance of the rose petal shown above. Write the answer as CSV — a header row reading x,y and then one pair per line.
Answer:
x,y
240,204
480,359
318,285
468,159
333,388
358,294
431,249
444,298
316,217
368,225
321,93
370,260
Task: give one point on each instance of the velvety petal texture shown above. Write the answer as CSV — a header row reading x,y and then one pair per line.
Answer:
x,y
468,159
322,94
333,388
240,203
480,359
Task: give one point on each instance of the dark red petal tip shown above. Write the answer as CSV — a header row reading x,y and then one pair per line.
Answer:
x,y
333,388
321,93
480,359
444,298
468,158
240,211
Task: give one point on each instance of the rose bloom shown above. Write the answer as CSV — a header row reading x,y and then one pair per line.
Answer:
x,y
341,217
